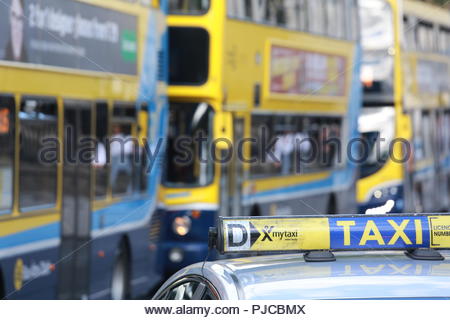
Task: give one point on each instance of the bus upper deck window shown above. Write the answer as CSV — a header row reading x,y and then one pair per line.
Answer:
x,y
7,117
317,10
189,56
188,7
425,37
444,40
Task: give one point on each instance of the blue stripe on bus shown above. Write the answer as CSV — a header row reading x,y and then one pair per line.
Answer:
x,y
112,216
342,178
121,213
30,236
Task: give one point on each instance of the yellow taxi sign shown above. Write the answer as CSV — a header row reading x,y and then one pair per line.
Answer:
x,y
345,232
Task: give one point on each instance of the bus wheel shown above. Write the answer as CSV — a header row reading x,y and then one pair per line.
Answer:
x,y
120,276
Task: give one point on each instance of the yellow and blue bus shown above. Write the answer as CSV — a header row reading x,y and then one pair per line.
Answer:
x,y
75,224
405,119
242,74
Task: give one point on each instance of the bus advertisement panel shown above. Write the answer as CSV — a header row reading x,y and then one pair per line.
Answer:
x,y
69,34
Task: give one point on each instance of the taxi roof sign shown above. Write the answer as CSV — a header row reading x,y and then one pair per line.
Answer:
x,y
334,233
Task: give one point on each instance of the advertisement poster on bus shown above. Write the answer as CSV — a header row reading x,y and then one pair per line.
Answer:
x,y
301,72
68,34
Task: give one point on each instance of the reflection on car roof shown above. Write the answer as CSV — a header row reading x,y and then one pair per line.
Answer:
x,y
355,275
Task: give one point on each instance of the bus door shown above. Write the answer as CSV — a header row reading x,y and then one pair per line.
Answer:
x,y
237,169
76,213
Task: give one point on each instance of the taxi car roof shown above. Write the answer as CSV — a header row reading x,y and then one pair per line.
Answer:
x,y
354,275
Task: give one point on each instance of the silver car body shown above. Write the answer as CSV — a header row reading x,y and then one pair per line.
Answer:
x,y
354,275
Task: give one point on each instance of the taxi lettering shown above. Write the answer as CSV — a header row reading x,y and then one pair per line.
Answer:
x,y
285,234
441,231
371,232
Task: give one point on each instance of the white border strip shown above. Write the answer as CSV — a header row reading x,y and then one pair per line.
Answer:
x,y
31,247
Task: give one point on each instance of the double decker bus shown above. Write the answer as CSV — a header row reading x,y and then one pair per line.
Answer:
x,y
77,77
405,117
255,78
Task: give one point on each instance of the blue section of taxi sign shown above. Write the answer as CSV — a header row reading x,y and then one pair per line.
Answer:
x,y
380,232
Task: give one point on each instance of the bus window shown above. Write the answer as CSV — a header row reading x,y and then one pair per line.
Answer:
x,y
331,143
339,16
317,21
239,9
122,148
100,161
193,7
448,41
248,11
38,172
336,19
189,161
444,40
333,20
446,132
189,56
276,12
408,30
300,144
7,142
302,9
355,20
427,134
264,130
292,11
419,143
440,135
425,37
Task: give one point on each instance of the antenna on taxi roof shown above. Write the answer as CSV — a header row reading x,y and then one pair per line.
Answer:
x,y
212,238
